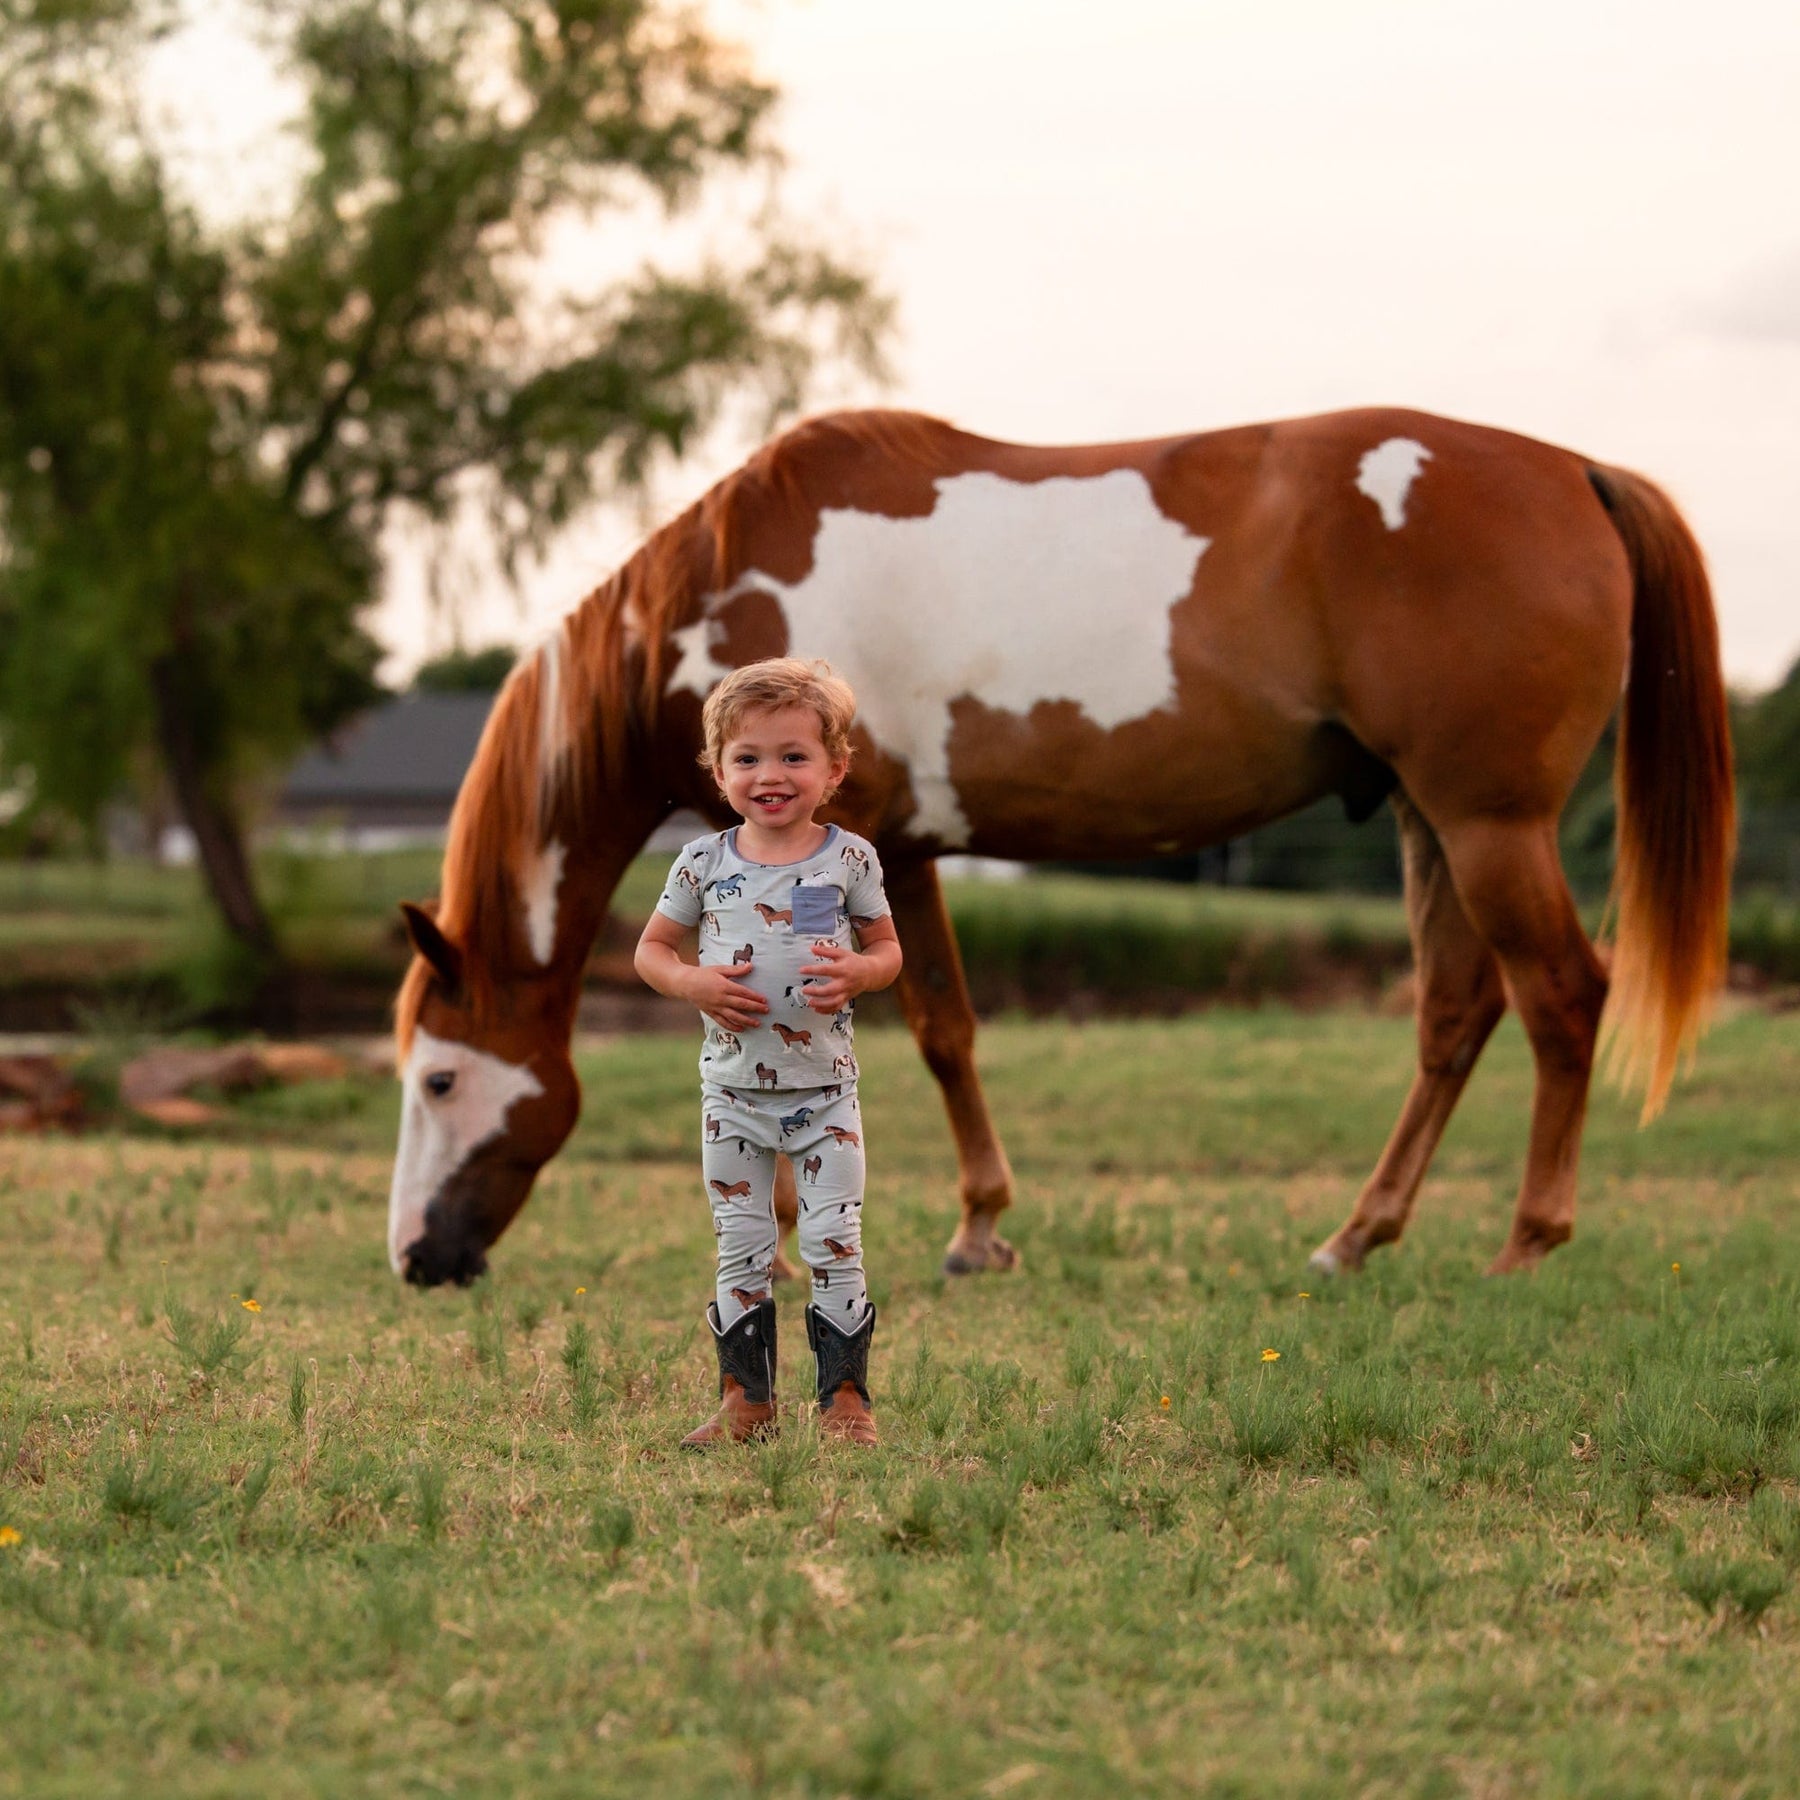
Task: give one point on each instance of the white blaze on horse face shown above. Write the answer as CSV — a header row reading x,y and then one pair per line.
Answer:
x,y
1386,475
1008,592
438,1134
538,881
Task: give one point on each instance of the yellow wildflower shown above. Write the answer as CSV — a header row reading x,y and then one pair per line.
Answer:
x,y
9,1535
252,1305
1304,1295
1271,1356
579,1292
1676,1267
1167,1402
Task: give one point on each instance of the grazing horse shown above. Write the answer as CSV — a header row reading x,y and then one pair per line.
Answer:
x,y
1111,651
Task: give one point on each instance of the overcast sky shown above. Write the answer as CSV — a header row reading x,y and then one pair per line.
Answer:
x,y
1127,218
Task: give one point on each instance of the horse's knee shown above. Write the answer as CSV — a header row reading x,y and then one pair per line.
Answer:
x,y
1453,1029
947,1045
1561,1012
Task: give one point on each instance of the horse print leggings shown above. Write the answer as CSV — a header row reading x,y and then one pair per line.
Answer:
x,y
820,1130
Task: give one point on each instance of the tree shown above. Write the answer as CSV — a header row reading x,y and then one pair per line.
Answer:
x,y
466,671
205,429
1769,745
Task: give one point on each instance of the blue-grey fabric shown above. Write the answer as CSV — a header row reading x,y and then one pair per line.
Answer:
x,y
820,1129
774,914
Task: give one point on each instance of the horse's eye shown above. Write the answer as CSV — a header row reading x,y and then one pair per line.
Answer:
x,y
439,1083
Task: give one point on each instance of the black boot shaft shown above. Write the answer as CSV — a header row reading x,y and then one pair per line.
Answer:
x,y
840,1356
747,1351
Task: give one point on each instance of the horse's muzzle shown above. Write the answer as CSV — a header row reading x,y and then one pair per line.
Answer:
x,y
436,1258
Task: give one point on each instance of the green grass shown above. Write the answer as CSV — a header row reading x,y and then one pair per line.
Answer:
x,y
1539,1537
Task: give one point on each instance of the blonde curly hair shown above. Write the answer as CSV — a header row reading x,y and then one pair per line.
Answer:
x,y
770,685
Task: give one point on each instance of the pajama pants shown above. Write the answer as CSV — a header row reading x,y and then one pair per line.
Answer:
x,y
820,1131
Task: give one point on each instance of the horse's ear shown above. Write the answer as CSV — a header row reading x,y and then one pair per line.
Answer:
x,y
430,942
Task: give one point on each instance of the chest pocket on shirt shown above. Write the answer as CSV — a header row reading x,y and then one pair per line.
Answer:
x,y
815,910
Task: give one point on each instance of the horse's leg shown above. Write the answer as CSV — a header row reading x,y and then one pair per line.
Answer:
x,y
1460,1000
935,998
787,1216
1510,878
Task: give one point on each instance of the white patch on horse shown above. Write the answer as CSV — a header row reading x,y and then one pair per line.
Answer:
x,y
438,1135
539,879
697,671
1386,475
1011,593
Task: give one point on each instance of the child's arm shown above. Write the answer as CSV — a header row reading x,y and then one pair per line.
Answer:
x,y
839,975
716,991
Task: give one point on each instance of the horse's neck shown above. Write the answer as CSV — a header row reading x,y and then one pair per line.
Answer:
x,y
599,840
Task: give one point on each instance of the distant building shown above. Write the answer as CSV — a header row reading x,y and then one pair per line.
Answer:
x,y
390,776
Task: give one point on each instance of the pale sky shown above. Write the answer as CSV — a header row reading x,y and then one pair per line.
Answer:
x,y
1130,218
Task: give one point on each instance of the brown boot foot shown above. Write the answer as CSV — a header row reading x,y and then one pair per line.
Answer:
x,y
847,1418
736,1421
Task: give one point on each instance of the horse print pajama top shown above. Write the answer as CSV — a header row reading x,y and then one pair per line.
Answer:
x,y
787,1086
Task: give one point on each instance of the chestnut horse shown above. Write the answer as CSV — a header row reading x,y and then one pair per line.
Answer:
x,y
1111,651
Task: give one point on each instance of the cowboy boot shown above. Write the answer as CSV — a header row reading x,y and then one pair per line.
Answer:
x,y
746,1379
842,1360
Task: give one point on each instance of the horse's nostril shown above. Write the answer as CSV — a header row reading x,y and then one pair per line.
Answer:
x,y
430,1262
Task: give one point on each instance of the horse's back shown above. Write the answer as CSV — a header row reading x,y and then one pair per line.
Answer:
x,y
1170,640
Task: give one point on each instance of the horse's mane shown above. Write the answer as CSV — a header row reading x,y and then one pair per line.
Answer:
x,y
571,709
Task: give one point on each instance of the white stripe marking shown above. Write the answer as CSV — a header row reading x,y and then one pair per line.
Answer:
x,y
538,881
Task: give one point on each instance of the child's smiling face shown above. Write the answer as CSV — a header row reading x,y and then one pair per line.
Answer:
x,y
776,771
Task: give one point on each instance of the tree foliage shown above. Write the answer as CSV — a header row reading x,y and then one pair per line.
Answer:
x,y
1769,745
206,428
466,671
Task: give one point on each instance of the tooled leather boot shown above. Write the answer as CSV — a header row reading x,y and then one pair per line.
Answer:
x,y
746,1379
842,1360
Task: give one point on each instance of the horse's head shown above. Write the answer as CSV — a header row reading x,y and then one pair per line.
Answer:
x,y
488,1096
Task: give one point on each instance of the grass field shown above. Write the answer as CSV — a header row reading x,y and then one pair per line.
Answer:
x,y
1539,1537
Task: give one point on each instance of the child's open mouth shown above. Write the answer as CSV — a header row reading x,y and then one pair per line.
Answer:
x,y
769,802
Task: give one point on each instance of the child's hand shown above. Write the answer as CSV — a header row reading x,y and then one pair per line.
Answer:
x,y
838,976
723,998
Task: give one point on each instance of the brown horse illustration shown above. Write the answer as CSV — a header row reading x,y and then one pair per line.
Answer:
x,y
811,1167
741,958
749,1302
771,917
1375,604
765,1076
842,1136
712,1129
791,1037
840,1251
730,1190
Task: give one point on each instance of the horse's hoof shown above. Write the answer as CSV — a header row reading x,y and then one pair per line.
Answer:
x,y
989,1256
1523,1253
1514,1260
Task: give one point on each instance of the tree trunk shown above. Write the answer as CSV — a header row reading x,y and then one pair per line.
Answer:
x,y
217,837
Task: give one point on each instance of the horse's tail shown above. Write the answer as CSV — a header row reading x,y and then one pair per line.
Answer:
x,y
1677,824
